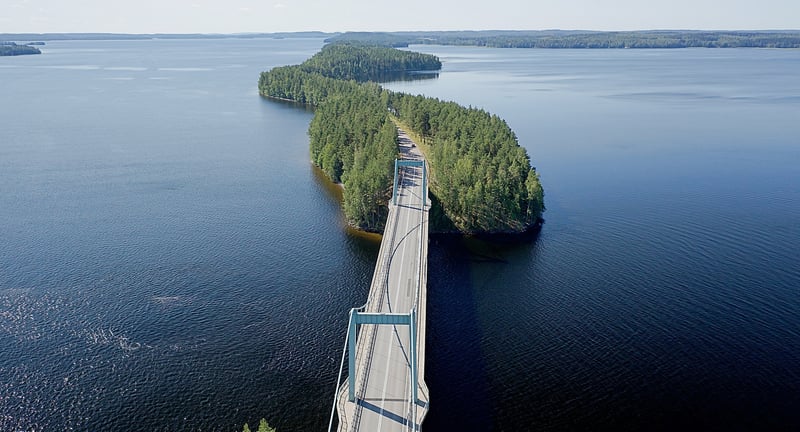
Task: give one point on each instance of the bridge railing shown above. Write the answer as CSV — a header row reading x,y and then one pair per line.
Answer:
x,y
365,349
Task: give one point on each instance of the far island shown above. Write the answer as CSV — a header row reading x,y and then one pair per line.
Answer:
x,y
582,39
12,49
482,181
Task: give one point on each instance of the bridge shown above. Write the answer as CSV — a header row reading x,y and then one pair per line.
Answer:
x,y
385,344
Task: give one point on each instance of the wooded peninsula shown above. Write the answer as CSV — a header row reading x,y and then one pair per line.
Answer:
x,y
481,179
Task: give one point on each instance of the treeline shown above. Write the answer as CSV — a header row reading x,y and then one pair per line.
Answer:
x,y
352,138
481,175
577,39
292,83
12,49
482,180
355,143
367,63
337,69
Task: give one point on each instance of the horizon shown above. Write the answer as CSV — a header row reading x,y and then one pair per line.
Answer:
x,y
244,33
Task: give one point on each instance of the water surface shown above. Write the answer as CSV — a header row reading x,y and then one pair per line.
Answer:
x,y
170,260
662,291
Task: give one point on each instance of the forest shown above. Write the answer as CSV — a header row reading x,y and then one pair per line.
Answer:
x,y
481,175
481,179
583,39
354,62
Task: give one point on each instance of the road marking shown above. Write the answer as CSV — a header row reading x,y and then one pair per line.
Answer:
x,y
391,339
412,222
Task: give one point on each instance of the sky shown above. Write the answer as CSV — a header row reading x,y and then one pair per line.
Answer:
x,y
239,16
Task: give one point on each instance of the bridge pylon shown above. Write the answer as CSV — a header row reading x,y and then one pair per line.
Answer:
x,y
357,318
411,163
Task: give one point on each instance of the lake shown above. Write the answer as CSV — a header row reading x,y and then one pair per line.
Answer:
x,y
169,259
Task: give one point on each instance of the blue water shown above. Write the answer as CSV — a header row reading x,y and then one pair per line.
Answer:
x,y
169,260
662,293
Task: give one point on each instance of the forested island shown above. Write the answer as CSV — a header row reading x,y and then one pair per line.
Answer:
x,y
12,49
582,39
481,179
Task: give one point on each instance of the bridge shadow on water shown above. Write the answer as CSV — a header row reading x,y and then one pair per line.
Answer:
x,y
463,388
455,363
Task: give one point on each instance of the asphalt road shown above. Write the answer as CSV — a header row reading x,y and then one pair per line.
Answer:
x,y
384,395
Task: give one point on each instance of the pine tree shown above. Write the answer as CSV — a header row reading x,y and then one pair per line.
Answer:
x,y
263,426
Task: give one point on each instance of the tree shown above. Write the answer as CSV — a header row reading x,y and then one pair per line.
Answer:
x,y
263,426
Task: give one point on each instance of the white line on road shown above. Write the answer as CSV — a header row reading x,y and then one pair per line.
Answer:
x,y
391,340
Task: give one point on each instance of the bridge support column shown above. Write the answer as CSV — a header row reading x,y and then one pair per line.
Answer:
x,y
406,162
413,352
351,354
424,185
357,318
394,190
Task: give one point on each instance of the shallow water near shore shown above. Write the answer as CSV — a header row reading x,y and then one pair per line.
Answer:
x,y
169,260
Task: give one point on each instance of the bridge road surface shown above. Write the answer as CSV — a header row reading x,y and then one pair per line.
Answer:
x,y
383,383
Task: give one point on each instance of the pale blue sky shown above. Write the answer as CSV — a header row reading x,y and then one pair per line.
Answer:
x,y
232,16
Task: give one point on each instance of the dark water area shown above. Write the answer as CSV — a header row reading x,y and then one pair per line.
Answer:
x,y
169,259
662,291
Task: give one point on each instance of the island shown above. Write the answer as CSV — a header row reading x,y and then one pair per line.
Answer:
x,y
482,181
12,49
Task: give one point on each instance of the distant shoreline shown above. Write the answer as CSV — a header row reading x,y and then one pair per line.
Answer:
x,y
578,39
152,36
550,39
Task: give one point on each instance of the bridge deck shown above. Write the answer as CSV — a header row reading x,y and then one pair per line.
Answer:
x,y
383,363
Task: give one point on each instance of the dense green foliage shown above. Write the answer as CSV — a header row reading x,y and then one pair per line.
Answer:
x,y
482,180
292,83
367,63
334,69
352,137
353,141
480,173
585,39
263,426
12,49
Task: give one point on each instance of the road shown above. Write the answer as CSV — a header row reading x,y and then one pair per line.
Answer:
x,y
383,385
